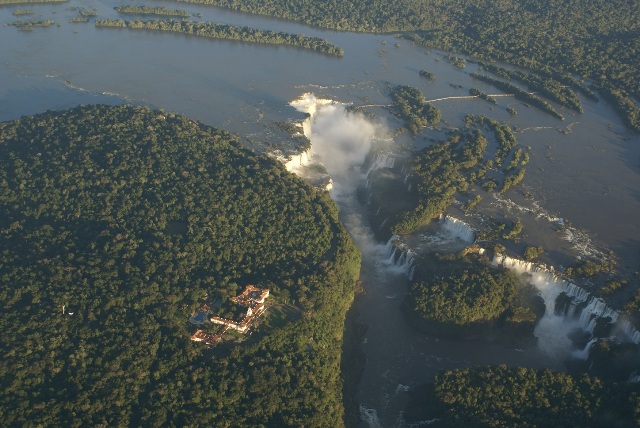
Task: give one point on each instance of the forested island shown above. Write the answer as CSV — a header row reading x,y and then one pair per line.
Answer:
x,y
460,295
507,397
450,169
148,10
588,39
227,32
410,105
116,223
31,23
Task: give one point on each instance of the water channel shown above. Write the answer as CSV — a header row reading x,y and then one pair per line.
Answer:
x,y
585,169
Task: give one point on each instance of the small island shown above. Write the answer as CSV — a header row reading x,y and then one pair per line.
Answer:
x,y
148,10
461,295
227,32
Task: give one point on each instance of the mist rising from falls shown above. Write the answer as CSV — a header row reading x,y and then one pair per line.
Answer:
x,y
556,325
458,228
341,141
344,142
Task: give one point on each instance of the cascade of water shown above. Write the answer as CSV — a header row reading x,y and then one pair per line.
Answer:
x,y
552,327
458,228
389,247
370,417
409,188
382,160
634,377
392,256
298,160
631,332
401,256
583,354
596,308
378,211
578,294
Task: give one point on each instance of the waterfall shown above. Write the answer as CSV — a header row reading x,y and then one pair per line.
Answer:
x,y
401,256
458,228
631,332
298,160
552,329
583,354
382,160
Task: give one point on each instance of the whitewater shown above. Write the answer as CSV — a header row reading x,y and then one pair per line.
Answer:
x,y
350,147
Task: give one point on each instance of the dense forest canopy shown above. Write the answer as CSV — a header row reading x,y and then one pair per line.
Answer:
x,y
520,397
115,223
440,173
457,295
595,40
227,32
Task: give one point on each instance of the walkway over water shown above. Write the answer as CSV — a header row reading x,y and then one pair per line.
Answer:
x,y
461,97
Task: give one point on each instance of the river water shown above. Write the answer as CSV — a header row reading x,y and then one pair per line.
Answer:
x,y
589,176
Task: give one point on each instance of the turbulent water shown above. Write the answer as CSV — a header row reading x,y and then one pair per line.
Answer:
x,y
584,171
398,358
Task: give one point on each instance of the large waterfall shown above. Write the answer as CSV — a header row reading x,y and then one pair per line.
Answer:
x,y
458,228
584,311
343,142
401,256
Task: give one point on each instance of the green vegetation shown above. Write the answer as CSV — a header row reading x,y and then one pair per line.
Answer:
x,y
531,253
512,232
31,23
612,286
560,92
478,93
458,295
506,143
20,12
115,223
511,111
508,397
409,105
472,203
520,94
589,268
148,10
456,61
447,168
31,1
427,75
440,171
227,32
78,19
589,39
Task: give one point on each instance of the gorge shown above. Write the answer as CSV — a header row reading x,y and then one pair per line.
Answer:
x,y
577,201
